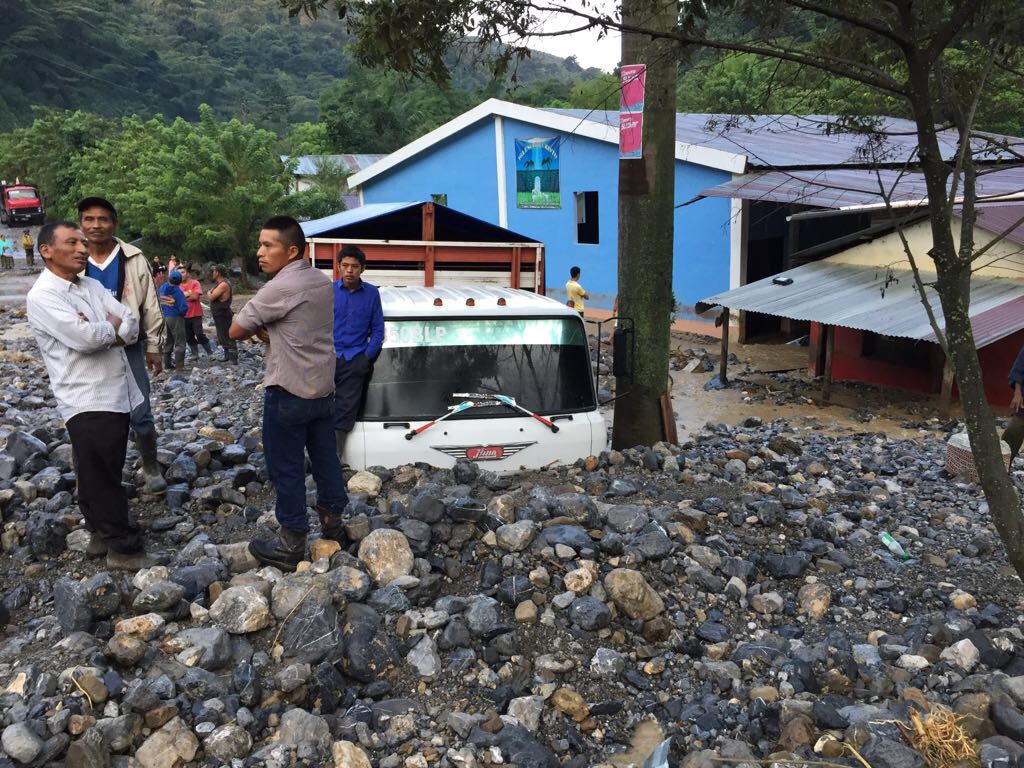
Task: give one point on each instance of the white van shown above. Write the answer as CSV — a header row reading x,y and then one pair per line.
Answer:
x,y
496,375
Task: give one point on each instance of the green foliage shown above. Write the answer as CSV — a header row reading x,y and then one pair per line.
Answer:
x,y
203,188
307,139
372,111
744,84
42,153
314,203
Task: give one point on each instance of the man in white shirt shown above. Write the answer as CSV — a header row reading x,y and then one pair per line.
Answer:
x,y
82,331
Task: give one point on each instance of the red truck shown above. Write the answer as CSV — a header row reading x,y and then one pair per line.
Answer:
x,y
20,204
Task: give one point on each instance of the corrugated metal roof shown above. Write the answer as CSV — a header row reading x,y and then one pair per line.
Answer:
x,y
1000,218
310,165
792,141
354,216
842,188
851,296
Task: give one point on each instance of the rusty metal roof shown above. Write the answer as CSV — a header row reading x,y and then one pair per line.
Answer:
x,y
803,141
852,296
840,188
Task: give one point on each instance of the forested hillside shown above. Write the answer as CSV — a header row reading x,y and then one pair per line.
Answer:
x,y
244,59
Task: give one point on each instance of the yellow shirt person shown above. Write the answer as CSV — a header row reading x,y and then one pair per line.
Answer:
x,y
574,291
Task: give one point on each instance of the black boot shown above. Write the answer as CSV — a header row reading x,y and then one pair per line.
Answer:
x,y
332,525
285,550
179,360
168,362
206,349
155,482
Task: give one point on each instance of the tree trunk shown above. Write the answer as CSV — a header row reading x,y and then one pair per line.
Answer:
x,y
953,285
1003,503
646,195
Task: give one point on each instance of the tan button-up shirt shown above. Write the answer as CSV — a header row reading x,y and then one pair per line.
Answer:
x,y
297,309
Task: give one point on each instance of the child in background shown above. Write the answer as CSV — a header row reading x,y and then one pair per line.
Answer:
x,y
173,306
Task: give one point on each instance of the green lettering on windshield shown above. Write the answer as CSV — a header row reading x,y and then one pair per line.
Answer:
x,y
464,332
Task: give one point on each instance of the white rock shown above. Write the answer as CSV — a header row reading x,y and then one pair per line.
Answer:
x,y
170,747
365,482
386,554
964,654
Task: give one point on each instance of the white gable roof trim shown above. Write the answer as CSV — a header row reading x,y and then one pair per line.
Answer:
x,y
690,153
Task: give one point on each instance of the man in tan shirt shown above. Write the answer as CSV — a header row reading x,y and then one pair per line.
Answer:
x,y
294,314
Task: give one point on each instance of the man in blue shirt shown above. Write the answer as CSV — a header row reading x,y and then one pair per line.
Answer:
x,y
358,338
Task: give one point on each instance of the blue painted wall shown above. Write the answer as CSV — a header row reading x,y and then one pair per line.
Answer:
x,y
464,168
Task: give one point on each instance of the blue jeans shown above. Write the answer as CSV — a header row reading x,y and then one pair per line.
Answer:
x,y
142,417
291,424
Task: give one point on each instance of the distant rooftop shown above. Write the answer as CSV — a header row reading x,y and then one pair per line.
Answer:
x,y
310,165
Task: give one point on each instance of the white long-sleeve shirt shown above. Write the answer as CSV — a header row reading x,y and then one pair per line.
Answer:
x,y
87,372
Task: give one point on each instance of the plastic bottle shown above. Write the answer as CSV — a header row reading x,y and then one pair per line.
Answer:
x,y
893,546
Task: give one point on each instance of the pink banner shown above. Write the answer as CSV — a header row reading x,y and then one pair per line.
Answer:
x,y
632,80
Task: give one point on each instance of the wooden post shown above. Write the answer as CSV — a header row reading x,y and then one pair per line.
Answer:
x,y
516,266
723,375
946,393
830,343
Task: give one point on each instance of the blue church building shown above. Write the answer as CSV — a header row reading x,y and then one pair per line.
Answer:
x,y
552,174
470,164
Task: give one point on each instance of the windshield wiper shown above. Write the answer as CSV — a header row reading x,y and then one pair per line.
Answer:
x,y
507,401
465,405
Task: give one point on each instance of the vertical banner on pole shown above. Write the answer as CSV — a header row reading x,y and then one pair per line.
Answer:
x,y
632,80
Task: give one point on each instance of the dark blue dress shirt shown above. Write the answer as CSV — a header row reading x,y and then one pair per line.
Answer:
x,y
358,321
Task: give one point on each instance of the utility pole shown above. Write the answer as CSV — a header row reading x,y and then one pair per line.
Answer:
x,y
646,197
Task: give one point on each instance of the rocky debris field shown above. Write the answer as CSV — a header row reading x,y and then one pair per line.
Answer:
x,y
730,596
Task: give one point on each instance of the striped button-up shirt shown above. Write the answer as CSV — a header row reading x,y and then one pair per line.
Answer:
x,y
87,371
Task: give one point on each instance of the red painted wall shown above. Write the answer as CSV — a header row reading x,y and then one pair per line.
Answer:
x,y
848,365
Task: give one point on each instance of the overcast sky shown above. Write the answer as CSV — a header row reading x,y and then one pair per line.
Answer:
x,y
590,51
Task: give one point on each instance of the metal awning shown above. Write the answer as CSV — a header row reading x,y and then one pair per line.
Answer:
x,y
843,189
852,296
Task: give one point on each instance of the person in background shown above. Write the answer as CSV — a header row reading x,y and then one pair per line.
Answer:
x,y
172,263
6,252
574,291
123,270
159,278
155,265
82,332
220,309
174,307
29,247
1014,433
194,335
293,312
358,338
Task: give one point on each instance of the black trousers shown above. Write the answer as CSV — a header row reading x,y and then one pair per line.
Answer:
x,y
194,334
99,441
350,380
222,321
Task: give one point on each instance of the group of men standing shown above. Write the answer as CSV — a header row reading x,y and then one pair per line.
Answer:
x,y
97,319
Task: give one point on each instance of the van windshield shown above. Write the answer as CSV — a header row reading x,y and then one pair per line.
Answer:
x,y
541,362
21,194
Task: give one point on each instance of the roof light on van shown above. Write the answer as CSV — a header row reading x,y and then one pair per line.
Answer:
x,y
470,303
438,302
502,302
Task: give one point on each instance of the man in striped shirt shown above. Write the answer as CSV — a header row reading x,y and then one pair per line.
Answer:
x,y
82,331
